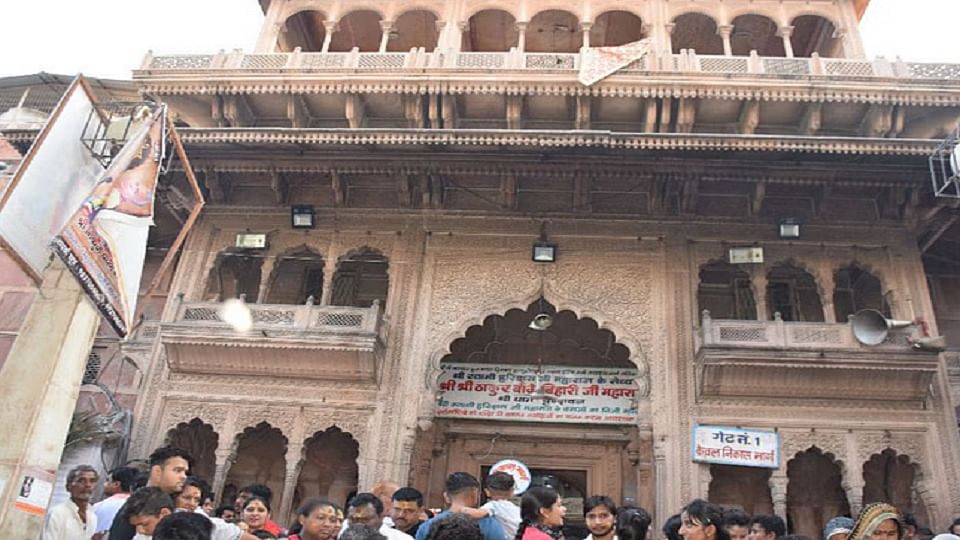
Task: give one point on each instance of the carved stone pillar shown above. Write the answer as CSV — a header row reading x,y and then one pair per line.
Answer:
x,y
854,491
266,270
463,27
853,475
224,460
293,461
329,269
385,28
331,28
785,32
270,31
442,34
828,285
778,492
403,466
667,37
660,481
585,28
850,47
725,32
925,495
291,477
706,477
522,39
759,283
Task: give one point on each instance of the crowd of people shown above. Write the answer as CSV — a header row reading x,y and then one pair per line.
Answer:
x,y
165,503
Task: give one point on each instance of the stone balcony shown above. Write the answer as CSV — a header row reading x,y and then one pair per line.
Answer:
x,y
306,342
786,360
419,61
771,103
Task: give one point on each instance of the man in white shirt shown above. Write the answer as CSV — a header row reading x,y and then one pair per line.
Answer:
x,y
367,509
117,489
73,519
600,513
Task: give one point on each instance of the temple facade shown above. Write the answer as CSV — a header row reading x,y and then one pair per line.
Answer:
x,y
705,222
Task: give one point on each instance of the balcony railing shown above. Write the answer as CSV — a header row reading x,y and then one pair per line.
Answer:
x,y
336,319
305,341
514,60
778,359
776,334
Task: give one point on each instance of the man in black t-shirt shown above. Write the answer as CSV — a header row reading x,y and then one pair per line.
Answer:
x,y
168,471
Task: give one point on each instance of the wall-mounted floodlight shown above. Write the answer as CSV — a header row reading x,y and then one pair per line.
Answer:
x,y
302,216
544,252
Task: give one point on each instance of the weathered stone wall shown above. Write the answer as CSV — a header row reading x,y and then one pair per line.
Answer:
x,y
637,280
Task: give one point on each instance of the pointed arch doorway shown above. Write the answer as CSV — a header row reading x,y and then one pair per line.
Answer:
x,y
563,400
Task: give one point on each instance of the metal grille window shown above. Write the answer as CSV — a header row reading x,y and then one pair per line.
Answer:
x,y
92,371
792,292
361,279
858,289
725,292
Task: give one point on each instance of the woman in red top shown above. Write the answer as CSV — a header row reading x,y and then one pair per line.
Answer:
x,y
256,515
318,520
541,511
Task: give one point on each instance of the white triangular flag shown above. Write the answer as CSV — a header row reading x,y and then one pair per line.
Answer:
x,y
598,63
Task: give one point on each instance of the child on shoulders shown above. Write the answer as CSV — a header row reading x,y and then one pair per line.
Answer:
x,y
499,489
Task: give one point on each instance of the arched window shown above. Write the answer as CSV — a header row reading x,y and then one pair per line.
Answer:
x,y
416,28
360,279
725,291
305,30
491,30
615,28
261,459
756,33
890,477
741,487
200,441
857,289
554,31
813,34
329,468
793,293
296,277
814,492
233,275
698,32
359,29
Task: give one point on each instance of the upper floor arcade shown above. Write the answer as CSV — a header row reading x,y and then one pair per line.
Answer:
x,y
310,316
781,323
784,29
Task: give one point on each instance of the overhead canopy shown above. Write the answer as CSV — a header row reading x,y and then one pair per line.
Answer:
x,y
45,90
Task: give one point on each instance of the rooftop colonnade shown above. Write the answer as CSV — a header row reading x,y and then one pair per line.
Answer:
x,y
773,29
